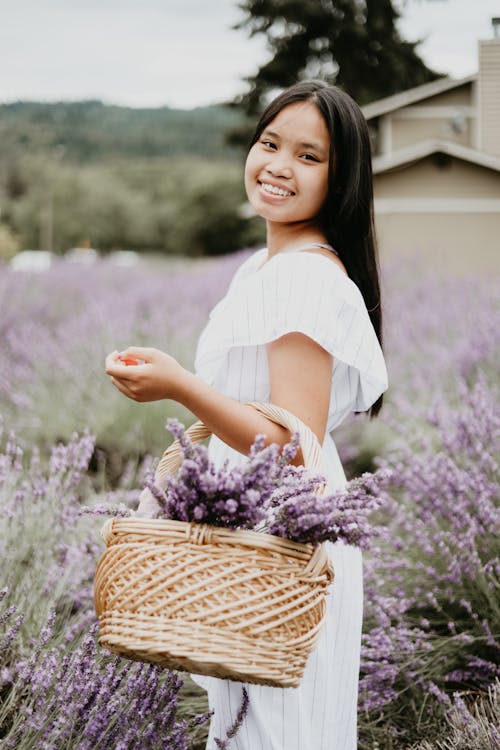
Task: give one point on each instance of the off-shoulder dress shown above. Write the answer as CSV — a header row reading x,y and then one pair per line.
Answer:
x,y
306,292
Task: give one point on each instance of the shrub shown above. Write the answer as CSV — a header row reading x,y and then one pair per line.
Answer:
x,y
57,690
432,613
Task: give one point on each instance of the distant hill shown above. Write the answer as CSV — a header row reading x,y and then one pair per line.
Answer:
x,y
90,130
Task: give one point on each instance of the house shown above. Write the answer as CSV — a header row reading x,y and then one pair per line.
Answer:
x,y
436,166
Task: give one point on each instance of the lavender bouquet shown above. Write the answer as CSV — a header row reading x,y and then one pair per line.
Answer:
x,y
266,494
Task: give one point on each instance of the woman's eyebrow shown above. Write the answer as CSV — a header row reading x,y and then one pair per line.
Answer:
x,y
312,147
270,133
307,146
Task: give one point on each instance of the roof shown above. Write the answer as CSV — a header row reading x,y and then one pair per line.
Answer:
x,y
418,151
416,94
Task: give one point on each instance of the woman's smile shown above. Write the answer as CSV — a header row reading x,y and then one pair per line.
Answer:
x,y
273,191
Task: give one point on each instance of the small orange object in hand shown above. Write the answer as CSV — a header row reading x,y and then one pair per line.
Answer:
x,y
130,360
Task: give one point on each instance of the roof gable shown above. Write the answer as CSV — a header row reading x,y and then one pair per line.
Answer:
x,y
418,151
416,94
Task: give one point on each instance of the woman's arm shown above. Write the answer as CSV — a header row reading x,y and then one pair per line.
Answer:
x,y
300,375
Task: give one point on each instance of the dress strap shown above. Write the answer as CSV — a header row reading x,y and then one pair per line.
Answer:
x,y
324,245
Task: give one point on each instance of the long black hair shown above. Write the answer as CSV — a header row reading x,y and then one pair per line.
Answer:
x,y
347,215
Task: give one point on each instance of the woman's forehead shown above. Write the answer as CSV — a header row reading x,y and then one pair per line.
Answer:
x,y
302,123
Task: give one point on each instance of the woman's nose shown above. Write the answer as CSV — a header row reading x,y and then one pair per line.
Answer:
x,y
279,167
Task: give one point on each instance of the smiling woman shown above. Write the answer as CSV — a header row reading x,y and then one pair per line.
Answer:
x,y
293,330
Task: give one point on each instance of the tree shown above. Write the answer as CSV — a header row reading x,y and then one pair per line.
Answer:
x,y
352,43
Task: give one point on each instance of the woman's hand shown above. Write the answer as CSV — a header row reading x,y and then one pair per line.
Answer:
x,y
158,377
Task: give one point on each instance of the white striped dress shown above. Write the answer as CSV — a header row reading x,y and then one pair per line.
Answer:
x,y
308,293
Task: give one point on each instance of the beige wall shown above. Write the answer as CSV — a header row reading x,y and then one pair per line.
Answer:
x,y
461,242
460,96
430,118
449,215
425,179
407,132
489,96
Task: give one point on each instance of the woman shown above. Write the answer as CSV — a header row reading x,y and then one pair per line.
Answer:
x,y
300,326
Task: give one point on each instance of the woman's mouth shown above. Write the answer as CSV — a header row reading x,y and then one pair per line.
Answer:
x,y
274,190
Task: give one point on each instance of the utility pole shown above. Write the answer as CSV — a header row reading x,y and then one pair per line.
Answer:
x,y
46,237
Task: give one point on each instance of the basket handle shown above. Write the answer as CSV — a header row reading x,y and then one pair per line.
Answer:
x,y
172,457
311,449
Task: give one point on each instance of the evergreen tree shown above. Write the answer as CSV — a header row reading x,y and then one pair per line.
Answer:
x,y
352,43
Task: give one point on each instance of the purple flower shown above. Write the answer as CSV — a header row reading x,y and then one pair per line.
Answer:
x,y
72,698
266,492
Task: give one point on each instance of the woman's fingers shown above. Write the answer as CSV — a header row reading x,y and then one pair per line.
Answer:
x,y
122,388
144,353
113,366
133,356
141,373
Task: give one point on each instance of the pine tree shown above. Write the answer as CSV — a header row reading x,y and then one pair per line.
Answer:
x,y
352,43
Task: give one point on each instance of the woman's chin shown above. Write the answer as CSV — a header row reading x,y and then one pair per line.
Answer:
x,y
271,211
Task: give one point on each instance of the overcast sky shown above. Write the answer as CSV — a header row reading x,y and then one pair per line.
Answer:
x,y
182,53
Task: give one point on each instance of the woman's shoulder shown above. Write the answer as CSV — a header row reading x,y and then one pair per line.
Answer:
x,y
249,264
313,270
253,258
329,261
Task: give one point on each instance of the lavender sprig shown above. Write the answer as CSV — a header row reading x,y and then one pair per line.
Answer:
x,y
309,517
234,728
118,510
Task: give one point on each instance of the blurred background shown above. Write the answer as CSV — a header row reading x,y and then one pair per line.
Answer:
x,y
123,126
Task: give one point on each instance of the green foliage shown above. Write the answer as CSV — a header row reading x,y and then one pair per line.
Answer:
x,y
355,45
183,206
472,724
116,177
90,130
9,244
55,683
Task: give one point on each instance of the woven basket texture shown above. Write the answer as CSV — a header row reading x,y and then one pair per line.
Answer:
x,y
239,605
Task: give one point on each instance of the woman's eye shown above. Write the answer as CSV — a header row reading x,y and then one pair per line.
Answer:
x,y
268,144
308,157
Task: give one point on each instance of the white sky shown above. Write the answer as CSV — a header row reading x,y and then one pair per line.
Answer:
x,y
182,53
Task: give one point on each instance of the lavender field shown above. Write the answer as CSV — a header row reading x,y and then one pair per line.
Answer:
x,y
429,675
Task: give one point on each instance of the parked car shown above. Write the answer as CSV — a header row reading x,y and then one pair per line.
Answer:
x,y
32,260
84,255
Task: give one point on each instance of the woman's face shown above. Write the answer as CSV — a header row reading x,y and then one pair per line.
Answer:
x,y
286,172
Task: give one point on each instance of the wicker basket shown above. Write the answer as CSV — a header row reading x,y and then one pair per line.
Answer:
x,y
239,605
